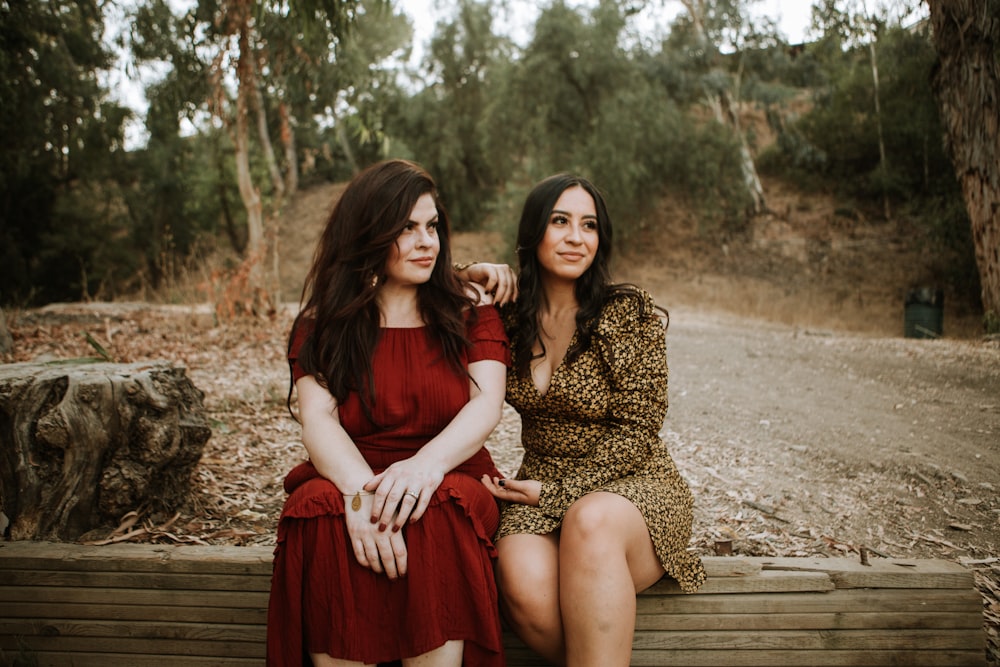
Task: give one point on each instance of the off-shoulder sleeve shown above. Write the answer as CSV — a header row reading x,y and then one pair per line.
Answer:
x,y
489,341
303,329
632,341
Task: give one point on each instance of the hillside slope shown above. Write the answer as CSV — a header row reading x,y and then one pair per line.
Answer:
x,y
809,262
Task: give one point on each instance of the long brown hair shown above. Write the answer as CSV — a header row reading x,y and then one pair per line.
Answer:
x,y
339,291
593,289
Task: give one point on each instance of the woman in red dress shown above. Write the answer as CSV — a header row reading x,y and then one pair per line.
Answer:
x,y
384,546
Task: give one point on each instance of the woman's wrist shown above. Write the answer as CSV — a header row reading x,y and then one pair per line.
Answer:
x,y
462,266
355,499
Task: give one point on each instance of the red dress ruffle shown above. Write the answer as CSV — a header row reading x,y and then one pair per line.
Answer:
x,y
322,600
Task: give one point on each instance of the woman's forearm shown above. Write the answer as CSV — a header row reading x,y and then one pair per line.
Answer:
x,y
330,448
468,431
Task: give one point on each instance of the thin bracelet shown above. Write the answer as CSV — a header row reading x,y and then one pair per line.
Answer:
x,y
462,266
356,501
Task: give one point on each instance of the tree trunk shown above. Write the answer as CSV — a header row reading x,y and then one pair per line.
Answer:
x,y
345,145
883,163
725,113
82,444
249,193
291,153
246,292
277,182
6,342
966,82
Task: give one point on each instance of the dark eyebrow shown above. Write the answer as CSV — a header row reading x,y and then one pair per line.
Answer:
x,y
561,212
436,218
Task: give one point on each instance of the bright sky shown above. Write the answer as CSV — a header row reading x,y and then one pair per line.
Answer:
x,y
792,16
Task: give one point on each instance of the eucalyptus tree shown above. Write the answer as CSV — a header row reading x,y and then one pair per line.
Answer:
x,y
967,83
586,98
232,52
313,82
587,105
452,125
861,23
718,28
169,214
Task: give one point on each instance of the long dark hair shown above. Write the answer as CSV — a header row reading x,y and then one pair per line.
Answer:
x,y
339,291
593,289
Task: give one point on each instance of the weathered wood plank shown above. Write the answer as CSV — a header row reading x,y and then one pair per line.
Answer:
x,y
186,650
136,558
852,620
764,582
889,600
729,658
731,566
810,640
115,631
880,572
846,573
133,596
79,659
155,580
111,609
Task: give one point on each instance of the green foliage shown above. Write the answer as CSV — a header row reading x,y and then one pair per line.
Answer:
x,y
448,127
835,145
62,147
839,138
80,217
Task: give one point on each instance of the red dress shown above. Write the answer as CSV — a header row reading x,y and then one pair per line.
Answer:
x,y
322,600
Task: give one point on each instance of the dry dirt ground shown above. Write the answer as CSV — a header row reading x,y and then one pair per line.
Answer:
x,y
802,419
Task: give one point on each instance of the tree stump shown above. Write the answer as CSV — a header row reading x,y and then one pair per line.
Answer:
x,y
83,443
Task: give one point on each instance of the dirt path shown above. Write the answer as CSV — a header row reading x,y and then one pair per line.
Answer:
x,y
794,441
892,444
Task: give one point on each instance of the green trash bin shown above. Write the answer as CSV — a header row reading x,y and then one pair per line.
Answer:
x,y
923,313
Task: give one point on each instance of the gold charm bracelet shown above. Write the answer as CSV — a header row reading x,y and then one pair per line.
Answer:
x,y
356,501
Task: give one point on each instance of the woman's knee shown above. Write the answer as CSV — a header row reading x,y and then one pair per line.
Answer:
x,y
527,575
597,519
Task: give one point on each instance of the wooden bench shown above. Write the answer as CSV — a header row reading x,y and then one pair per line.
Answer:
x,y
152,605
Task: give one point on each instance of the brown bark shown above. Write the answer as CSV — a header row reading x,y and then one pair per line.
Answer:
x,y
246,292
966,81
82,444
726,113
291,155
277,182
6,342
248,192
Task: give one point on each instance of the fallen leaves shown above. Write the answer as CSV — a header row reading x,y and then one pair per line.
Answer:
x,y
754,494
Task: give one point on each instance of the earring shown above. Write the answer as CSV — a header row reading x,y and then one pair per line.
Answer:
x,y
374,280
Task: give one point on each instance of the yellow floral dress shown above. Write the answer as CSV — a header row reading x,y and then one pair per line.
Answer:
x,y
597,429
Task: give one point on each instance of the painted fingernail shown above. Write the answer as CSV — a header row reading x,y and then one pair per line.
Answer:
x,y
374,519
502,482
395,529
381,527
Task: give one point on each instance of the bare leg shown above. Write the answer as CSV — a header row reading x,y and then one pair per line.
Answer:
x,y
324,660
448,654
605,557
528,577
